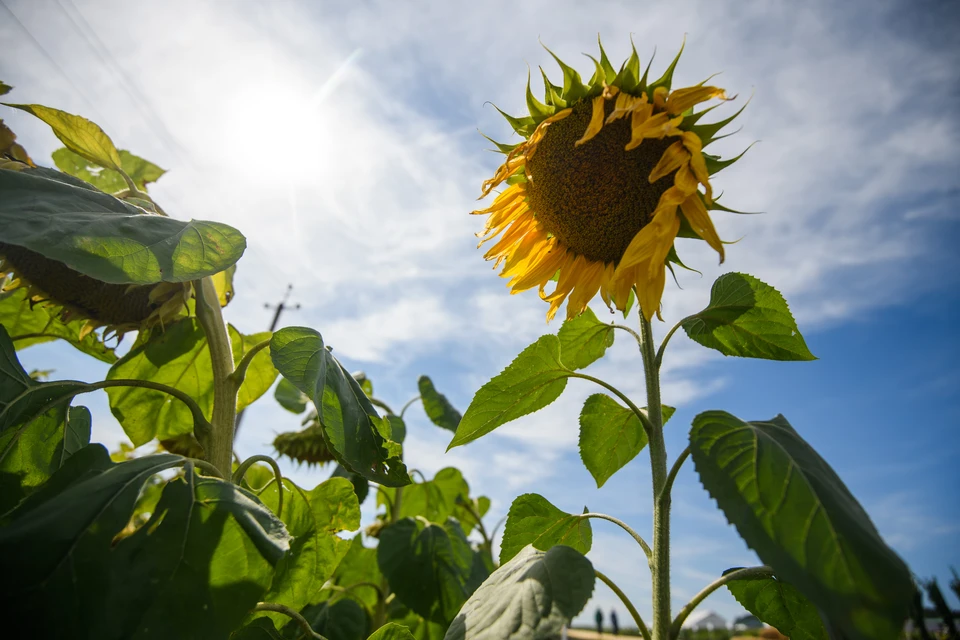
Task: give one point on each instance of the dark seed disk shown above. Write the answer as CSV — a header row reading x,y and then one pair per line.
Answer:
x,y
595,198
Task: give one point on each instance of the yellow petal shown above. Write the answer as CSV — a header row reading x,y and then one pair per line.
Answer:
x,y
682,99
671,160
650,290
697,163
568,279
660,97
586,289
696,214
657,126
626,104
596,121
548,263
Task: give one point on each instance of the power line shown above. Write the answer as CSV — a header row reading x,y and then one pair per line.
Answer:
x,y
53,62
154,121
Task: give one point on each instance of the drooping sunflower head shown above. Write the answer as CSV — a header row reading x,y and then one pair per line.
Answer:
x,y
117,307
308,445
609,173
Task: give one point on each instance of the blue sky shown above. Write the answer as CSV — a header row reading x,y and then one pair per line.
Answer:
x,y
340,137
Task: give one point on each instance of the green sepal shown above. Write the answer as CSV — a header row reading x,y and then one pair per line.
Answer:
x,y
708,132
673,258
573,87
538,111
690,118
524,125
716,206
500,147
518,177
666,80
609,73
646,74
595,87
551,92
629,77
716,165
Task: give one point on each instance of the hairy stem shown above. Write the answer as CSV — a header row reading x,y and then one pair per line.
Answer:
x,y
675,469
290,613
623,525
241,371
407,406
246,464
660,561
663,345
739,574
220,447
626,602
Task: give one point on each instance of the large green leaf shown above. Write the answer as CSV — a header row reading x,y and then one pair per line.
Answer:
x,y
361,486
289,397
436,500
105,238
796,513
141,171
532,381
437,407
196,568
314,518
584,340
351,426
177,357
259,629
54,549
532,596
357,571
81,136
747,318
30,324
533,520
610,436
260,374
392,631
427,565
780,605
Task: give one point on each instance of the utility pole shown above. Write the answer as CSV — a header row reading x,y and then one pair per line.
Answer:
x,y
280,307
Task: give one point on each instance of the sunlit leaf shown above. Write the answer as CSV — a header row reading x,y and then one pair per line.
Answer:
x,y
260,374
289,397
437,407
143,172
79,134
780,605
791,508
584,340
533,520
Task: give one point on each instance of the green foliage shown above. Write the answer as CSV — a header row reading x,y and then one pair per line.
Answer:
x,y
584,340
747,318
351,425
437,407
79,134
261,373
780,605
392,631
436,500
429,566
532,381
105,238
793,510
334,620
141,171
314,519
289,397
29,324
610,436
532,520
533,595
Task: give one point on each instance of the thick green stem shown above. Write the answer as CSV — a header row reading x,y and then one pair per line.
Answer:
x,y
220,447
626,602
660,561
623,525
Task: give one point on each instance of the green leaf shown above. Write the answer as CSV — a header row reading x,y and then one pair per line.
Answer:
x,y
259,629
532,596
76,434
346,414
334,619
201,563
314,519
532,381
29,324
177,357
584,340
58,540
289,397
610,436
105,238
223,283
792,509
435,500
361,486
747,318
427,565
437,407
392,631
359,565
533,520
141,171
260,374
780,605
79,134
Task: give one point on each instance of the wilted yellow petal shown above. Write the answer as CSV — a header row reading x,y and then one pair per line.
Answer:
x,y
670,161
596,121
682,99
696,214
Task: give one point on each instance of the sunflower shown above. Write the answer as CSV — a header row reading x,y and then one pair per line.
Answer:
x,y
117,307
608,175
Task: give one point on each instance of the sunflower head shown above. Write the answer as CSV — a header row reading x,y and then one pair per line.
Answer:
x,y
117,307
609,173
308,445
